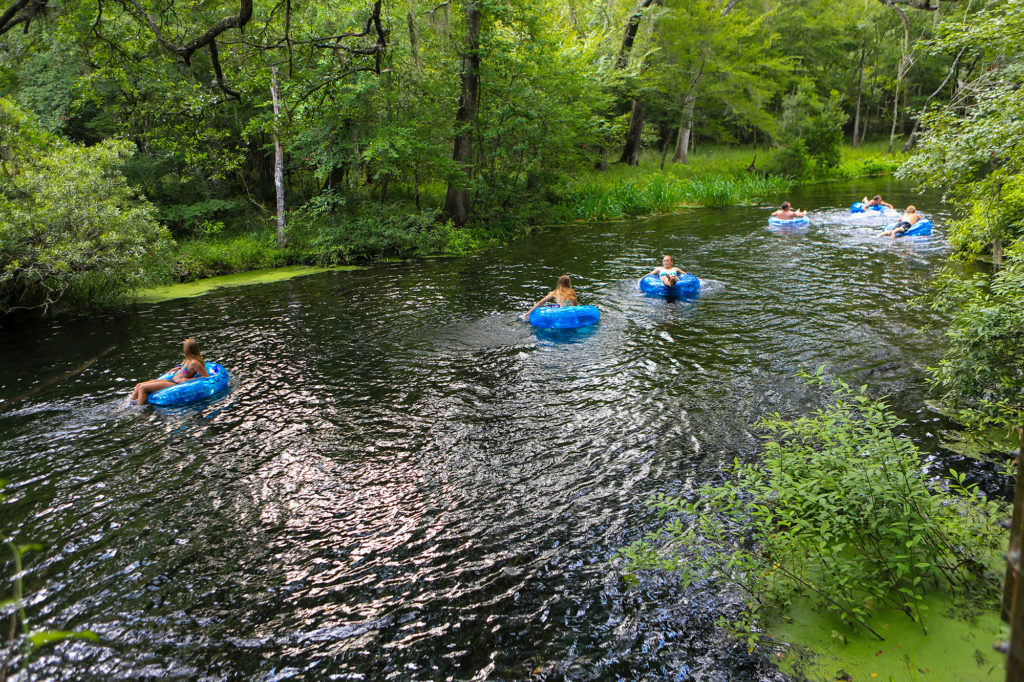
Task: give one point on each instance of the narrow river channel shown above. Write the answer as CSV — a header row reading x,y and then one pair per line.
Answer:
x,y
405,482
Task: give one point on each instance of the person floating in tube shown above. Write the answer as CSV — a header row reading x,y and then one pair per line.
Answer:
x,y
668,273
191,368
906,221
876,201
563,295
786,212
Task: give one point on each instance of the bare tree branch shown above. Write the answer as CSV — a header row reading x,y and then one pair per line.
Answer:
x,y
20,12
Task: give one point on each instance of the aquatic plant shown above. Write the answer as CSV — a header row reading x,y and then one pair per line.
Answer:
x,y
839,508
22,642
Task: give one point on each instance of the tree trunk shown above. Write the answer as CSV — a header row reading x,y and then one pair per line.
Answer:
x,y
860,82
631,152
906,61
457,201
685,130
278,159
632,26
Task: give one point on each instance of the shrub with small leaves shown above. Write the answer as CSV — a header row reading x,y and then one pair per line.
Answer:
x,y
839,508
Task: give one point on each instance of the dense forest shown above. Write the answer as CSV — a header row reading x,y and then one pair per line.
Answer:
x,y
256,134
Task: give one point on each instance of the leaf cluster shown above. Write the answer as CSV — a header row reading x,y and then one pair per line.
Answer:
x,y
70,226
838,508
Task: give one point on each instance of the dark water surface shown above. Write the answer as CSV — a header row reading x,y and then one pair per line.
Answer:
x,y
405,482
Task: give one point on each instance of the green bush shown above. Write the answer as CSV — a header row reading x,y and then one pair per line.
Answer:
x,y
370,230
72,232
791,161
839,508
817,124
196,259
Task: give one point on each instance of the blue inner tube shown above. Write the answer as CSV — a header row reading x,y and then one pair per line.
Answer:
x,y
790,222
687,285
921,228
569,317
859,207
193,390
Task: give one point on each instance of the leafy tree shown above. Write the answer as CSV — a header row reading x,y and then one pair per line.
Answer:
x,y
810,132
70,227
974,148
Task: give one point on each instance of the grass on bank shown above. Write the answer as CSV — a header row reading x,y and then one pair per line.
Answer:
x,y
714,177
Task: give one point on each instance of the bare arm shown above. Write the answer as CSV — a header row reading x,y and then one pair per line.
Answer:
x,y
538,304
652,272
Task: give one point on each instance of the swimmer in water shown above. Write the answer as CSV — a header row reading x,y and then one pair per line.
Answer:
x,y
876,201
563,295
192,368
668,273
786,212
906,221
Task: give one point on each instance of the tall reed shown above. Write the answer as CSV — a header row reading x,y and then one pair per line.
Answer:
x,y
611,198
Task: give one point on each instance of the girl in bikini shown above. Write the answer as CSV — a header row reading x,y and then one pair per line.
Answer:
x,y
563,295
668,272
192,368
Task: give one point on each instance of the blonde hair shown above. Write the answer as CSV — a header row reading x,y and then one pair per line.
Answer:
x,y
911,209
191,347
563,290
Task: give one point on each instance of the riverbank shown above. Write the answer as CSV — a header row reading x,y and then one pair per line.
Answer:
x,y
714,177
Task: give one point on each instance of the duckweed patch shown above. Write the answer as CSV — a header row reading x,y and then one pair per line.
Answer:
x,y
957,647
205,286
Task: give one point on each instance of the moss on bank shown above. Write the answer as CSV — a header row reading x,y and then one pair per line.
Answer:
x,y
205,286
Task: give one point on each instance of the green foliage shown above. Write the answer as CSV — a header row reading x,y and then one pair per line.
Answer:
x,y
658,192
980,375
71,230
21,643
811,131
838,508
209,257
331,238
974,149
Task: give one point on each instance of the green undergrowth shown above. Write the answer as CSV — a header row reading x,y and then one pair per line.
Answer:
x,y
839,510
325,245
332,232
660,192
956,648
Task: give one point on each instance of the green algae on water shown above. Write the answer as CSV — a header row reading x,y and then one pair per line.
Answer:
x,y
957,648
205,286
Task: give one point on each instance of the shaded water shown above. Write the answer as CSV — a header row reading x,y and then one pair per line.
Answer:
x,y
405,482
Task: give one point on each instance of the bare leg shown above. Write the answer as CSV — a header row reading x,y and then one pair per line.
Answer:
x,y
143,390
669,280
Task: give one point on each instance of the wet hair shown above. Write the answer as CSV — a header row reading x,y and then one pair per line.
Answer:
x,y
877,197
192,350
564,288
673,260
785,205
911,209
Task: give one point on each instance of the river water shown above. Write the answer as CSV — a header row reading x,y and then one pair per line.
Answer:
x,y
406,482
